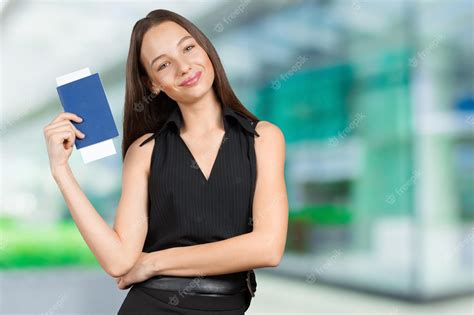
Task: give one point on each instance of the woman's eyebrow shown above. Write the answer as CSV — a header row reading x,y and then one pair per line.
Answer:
x,y
179,43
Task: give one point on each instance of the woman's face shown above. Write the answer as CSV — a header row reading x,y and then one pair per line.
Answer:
x,y
175,63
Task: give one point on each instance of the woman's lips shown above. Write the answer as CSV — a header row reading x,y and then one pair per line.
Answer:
x,y
192,81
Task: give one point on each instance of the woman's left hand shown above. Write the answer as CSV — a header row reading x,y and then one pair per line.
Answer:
x,y
141,271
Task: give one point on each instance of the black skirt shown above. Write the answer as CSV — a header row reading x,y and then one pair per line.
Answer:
x,y
146,301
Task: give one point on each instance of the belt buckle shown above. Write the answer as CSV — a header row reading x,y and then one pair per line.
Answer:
x,y
249,285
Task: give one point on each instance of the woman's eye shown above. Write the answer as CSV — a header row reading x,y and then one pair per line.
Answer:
x,y
192,46
161,66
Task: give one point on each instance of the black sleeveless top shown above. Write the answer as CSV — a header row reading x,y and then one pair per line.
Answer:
x,y
185,208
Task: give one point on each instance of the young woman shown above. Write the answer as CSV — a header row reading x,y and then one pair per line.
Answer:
x,y
203,192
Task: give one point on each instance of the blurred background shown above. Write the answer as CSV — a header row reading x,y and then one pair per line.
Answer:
x,y
376,101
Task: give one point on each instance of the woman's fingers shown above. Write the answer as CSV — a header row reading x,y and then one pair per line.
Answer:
x,y
66,115
120,283
59,126
60,137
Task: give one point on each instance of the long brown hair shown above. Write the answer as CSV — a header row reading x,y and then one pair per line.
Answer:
x,y
146,112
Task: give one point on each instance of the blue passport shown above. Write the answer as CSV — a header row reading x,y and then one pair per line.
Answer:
x,y
86,98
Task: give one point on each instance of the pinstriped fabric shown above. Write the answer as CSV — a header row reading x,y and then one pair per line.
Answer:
x,y
185,208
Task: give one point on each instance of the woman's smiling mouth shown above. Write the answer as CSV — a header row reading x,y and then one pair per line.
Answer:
x,y
191,81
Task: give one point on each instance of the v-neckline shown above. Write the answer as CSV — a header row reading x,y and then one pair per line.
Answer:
x,y
216,159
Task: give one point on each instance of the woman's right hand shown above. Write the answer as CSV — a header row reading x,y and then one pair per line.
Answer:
x,y
60,135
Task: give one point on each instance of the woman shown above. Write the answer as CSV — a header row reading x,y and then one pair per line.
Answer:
x,y
203,190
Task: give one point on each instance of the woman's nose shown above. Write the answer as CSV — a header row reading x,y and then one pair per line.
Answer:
x,y
184,68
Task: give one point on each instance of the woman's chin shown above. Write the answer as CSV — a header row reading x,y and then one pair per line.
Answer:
x,y
195,91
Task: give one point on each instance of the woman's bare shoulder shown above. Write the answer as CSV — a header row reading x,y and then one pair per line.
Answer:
x,y
269,131
140,155
271,140
140,142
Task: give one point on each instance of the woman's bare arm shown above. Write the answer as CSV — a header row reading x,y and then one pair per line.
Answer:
x,y
118,248
264,246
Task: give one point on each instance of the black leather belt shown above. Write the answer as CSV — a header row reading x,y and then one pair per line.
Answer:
x,y
223,284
